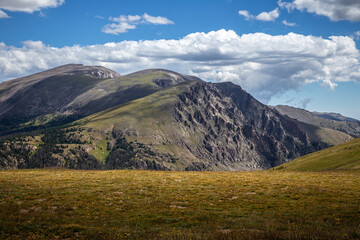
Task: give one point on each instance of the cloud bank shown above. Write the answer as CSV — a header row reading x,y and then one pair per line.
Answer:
x,y
335,10
123,23
262,64
28,6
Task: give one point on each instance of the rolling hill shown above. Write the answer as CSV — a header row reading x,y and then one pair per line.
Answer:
x,y
341,157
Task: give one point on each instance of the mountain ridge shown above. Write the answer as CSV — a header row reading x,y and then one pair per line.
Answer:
x,y
349,127
151,119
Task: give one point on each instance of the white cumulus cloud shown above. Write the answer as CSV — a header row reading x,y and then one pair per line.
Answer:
x,y
123,23
116,28
264,16
156,20
264,65
28,6
335,10
246,14
268,16
289,24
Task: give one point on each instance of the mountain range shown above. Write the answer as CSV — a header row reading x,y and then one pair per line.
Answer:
x,y
90,117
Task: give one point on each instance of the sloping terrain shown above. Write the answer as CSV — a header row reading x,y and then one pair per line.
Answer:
x,y
327,135
341,157
342,124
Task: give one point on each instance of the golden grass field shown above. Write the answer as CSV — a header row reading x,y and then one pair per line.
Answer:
x,y
131,204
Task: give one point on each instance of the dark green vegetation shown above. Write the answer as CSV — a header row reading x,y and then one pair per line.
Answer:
x,y
125,204
82,117
340,157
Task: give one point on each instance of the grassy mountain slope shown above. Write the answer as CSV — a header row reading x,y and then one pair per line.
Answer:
x,y
11,87
38,99
340,157
73,91
112,92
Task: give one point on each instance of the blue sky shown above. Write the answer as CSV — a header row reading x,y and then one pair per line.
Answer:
x,y
282,52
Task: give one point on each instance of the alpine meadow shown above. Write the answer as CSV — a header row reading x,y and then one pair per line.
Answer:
x,y
179,119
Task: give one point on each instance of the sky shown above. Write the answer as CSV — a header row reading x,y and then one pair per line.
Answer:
x,y
302,53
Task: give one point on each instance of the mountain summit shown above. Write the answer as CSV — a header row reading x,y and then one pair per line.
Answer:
x,y
151,119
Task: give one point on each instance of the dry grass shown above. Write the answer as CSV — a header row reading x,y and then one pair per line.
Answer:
x,y
124,204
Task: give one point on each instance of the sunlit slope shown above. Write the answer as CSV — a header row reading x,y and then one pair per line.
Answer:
x,y
140,113
343,156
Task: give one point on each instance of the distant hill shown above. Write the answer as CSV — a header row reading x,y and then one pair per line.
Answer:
x,y
340,157
335,116
322,120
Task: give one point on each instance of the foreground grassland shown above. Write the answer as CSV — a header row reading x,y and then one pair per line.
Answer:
x,y
128,204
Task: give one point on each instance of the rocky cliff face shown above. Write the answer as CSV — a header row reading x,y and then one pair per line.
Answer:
x,y
239,133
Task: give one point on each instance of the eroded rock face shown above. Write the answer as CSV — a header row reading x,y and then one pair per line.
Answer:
x,y
102,73
239,133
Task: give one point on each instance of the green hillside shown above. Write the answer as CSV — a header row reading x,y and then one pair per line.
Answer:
x,y
67,93
143,111
343,156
